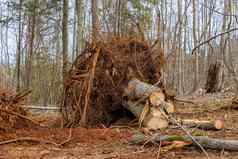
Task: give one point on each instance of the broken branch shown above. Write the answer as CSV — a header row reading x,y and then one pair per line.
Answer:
x,y
212,38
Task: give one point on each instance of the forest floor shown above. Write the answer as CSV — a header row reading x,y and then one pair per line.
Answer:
x,y
112,143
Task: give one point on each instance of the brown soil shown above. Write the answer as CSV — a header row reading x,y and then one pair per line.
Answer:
x,y
109,143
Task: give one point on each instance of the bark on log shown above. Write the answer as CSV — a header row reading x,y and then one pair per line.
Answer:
x,y
137,89
204,124
206,142
153,121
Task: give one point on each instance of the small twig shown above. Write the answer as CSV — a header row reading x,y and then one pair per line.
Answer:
x,y
220,13
23,117
68,139
155,43
121,127
31,139
158,153
184,100
22,95
212,38
146,142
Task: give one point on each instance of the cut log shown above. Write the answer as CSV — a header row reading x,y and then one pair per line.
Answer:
x,y
204,141
137,89
154,120
156,98
169,107
204,124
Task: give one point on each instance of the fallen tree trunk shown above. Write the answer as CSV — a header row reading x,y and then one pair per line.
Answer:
x,y
150,115
204,141
137,89
203,124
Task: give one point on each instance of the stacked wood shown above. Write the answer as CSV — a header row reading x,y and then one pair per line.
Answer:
x,y
214,78
148,96
160,107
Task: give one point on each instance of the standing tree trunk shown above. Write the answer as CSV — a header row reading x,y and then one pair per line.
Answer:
x,y
74,35
94,20
195,43
65,48
65,38
18,58
227,53
180,52
79,9
32,19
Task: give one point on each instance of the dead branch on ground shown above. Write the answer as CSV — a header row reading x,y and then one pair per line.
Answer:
x,y
206,142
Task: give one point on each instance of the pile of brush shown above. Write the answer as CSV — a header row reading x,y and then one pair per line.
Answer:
x,y
11,112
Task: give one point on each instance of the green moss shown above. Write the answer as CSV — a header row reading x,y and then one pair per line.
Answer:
x,y
199,133
175,138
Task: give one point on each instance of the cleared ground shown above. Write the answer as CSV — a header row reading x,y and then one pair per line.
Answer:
x,y
109,143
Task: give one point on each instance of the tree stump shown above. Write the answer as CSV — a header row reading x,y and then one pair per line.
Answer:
x,y
214,78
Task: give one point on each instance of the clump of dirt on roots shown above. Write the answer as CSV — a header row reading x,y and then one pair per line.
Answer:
x,y
93,89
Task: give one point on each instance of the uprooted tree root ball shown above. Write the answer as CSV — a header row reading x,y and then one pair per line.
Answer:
x,y
12,113
93,89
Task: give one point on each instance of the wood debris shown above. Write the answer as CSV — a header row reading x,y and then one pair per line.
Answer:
x,y
146,102
206,142
12,114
